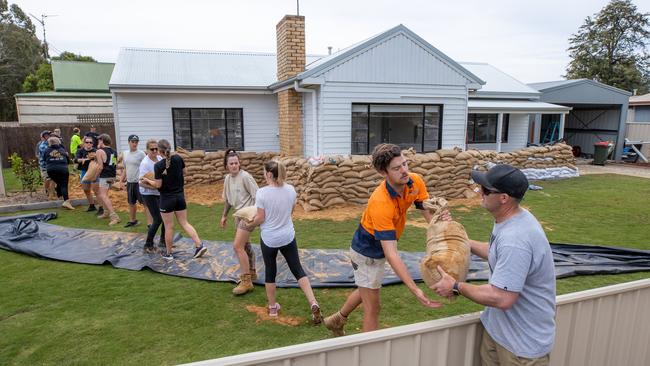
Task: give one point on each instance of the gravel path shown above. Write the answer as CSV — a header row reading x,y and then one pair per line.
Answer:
x,y
635,170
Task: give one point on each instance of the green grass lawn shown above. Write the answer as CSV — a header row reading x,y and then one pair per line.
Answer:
x,y
12,183
64,313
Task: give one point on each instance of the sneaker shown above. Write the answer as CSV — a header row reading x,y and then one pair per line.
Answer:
x,y
335,323
67,204
200,251
274,309
131,223
149,248
100,211
167,256
316,316
91,208
104,215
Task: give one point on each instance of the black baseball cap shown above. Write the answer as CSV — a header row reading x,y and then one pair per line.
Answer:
x,y
46,132
503,178
134,138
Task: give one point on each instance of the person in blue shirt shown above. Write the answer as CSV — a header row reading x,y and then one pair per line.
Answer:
x,y
40,150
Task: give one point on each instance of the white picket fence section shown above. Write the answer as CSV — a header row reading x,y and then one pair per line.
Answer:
x,y
603,326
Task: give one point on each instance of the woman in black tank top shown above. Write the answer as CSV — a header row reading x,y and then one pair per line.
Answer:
x,y
108,158
168,178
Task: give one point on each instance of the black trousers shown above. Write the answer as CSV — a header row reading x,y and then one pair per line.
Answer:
x,y
153,205
60,177
290,254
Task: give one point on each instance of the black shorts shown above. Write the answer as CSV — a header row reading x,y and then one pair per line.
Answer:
x,y
172,203
133,193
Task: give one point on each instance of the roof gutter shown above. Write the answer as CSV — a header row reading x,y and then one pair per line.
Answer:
x,y
314,115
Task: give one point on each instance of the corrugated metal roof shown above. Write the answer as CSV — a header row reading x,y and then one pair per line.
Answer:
x,y
545,87
640,99
147,67
523,106
81,76
55,94
498,82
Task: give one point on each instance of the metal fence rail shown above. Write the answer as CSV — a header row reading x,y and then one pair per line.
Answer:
x,y
604,326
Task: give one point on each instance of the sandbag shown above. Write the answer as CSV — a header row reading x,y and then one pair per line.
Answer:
x,y
246,213
92,172
447,246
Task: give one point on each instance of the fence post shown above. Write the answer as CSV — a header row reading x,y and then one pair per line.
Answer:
x,y
2,180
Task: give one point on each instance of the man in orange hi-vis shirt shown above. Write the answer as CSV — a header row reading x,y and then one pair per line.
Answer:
x,y
375,240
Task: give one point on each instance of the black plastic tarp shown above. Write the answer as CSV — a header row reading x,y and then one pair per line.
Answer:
x,y
31,235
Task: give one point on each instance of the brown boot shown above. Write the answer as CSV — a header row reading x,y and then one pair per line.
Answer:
x,y
335,323
114,219
245,285
251,261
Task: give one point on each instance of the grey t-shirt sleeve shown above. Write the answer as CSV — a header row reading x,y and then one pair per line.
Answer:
x,y
512,266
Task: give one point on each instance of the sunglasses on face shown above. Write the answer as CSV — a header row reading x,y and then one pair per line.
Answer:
x,y
88,142
153,149
487,192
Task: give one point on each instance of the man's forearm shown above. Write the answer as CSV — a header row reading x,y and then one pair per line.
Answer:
x,y
401,271
479,248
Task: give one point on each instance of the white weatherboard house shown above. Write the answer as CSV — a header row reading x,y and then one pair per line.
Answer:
x,y
393,87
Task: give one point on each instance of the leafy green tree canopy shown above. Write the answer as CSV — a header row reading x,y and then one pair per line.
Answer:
x,y
20,55
611,48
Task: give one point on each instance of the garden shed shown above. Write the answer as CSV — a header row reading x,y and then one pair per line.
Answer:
x,y
598,113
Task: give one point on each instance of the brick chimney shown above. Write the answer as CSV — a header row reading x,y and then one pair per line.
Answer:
x,y
290,33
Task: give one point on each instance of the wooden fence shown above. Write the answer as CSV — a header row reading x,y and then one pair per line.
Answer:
x,y
22,139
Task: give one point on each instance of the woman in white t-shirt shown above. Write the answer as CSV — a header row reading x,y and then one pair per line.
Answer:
x,y
151,196
275,204
239,190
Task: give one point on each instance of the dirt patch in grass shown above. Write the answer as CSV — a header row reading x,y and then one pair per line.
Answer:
x,y
263,315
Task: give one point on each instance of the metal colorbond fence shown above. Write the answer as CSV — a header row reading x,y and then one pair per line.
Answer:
x,y
603,326
22,138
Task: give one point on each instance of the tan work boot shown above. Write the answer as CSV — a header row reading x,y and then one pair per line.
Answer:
x,y
105,215
335,323
114,219
245,285
67,204
251,261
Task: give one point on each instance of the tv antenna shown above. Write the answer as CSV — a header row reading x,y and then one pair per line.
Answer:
x,y
42,21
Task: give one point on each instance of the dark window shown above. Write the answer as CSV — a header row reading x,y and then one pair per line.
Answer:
x,y
482,128
406,125
208,128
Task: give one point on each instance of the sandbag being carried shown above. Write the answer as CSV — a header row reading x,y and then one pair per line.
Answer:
x,y
447,246
92,173
246,213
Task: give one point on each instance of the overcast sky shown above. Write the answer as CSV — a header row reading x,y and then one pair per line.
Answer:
x,y
526,39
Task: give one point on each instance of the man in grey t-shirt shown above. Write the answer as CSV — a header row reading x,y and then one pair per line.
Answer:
x,y
519,318
132,159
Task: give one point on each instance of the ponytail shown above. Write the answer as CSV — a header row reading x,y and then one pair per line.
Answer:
x,y
278,170
165,149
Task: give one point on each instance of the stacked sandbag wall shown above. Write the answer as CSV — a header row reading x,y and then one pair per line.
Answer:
x,y
342,179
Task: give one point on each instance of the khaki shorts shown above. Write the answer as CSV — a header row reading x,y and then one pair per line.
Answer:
x,y
243,225
368,272
493,354
106,182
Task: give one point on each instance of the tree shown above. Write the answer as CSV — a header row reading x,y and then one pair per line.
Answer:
x,y
69,56
42,79
612,48
20,55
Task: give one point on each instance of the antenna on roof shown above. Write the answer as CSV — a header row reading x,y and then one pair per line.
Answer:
x,y
42,21
329,50
297,7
